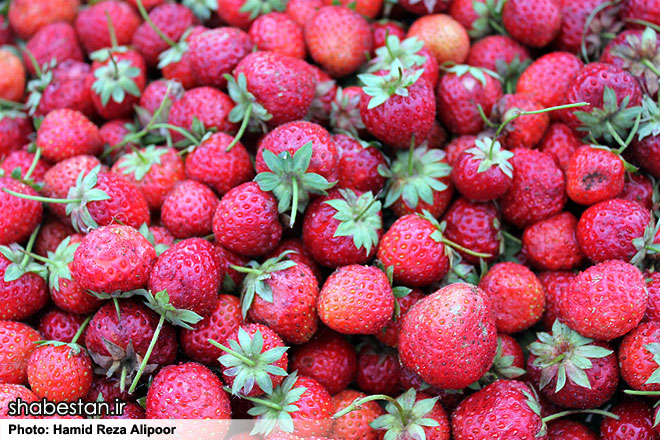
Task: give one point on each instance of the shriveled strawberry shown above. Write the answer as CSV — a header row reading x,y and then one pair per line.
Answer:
x,y
66,133
548,78
92,25
443,36
535,23
559,142
208,105
359,165
594,175
475,226
425,340
58,325
277,32
17,342
483,172
551,244
605,301
12,83
188,209
60,372
356,424
378,370
634,417
21,216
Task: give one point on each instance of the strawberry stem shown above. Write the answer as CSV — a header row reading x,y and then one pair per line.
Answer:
x,y
581,411
294,202
153,26
359,402
81,329
242,358
411,154
30,243
181,131
33,165
39,198
263,402
464,249
111,30
152,344
242,128
642,393
38,257
33,61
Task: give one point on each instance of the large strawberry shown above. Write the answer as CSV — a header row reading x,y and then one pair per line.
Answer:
x,y
66,133
17,342
533,23
546,84
551,244
93,28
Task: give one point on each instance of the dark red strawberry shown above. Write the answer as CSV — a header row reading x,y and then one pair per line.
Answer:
x,y
548,78
277,32
638,188
602,20
17,342
559,142
358,165
208,105
653,286
637,357
475,226
378,370
551,243
594,175
50,235
533,23
58,325
635,418
94,30
640,10
188,209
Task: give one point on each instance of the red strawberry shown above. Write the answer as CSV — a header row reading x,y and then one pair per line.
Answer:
x,y
537,191
66,133
229,276
564,429
475,226
188,209
299,254
605,301
65,86
457,146
15,127
572,371
638,188
324,94
206,104
338,39
551,243
246,221
159,94
50,235
653,286
58,325
187,391
345,111
506,408
503,55
640,10
637,357
92,25
356,424
574,16
594,175
425,340
55,41
219,325
23,160
527,130
358,165
383,28
277,32
10,393
28,16
559,142
13,82
635,418
509,362
548,78
21,216
22,287
533,23
633,50
378,370
303,10
17,342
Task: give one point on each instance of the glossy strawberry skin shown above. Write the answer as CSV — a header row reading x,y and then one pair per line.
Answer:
x,y
187,391
58,375
418,259
474,226
27,17
14,132
653,305
66,133
113,258
430,332
641,10
389,335
209,105
559,142
537,191
358,165
486,51
17,342
638,188
605,301
533,23
292,314
246,221
605,230
646,154
564,429
212,165
479,186
58,325
23,159
355,425
23,297
219,325
21,216
316,407
188,209
551,243
594,175
636,420
546,84
527,130
636,361
10,393
92,26
378,371
190,271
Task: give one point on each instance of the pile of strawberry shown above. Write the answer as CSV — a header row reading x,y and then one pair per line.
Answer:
x,y
347,219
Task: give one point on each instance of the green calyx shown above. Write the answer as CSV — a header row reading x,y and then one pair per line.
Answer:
x,y
478,73
116,79
649,124
565,354
406,52
248,364
490,18
398,291
509,73
176,52
612,122
160,303
345,113
641,57
289,180
83,192
654,349
645,244
139,162
11,110
532,402
461,272
21,261
502,368
439,237
395,82
247,111
146,233
415,175
36,86
201,8
274,411
58,262
359,218
317,110
259,7
491,154
255,282
406,418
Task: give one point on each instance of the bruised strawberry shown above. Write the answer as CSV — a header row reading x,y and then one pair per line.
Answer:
x,y
594,175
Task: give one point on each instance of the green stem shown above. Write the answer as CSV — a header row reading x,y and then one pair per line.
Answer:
x,y
263,402
116,304
359,402
242,128
651,66
182,131
556,360
632,133
587,25
29,246
39,198
111,30
365,210
39,258
511,237
33,61
614,134
580,411
122,379
33,165
152,344
244,269
81,329
411,154
11,104
153,26
642,393
294,202
238,356
487,121
464,249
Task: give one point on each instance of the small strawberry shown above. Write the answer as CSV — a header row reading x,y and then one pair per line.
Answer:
x,y
551,243
653,286
535,23
559,142
378,370
277,32
638,357
66,133
590,22
299,254
359,165
509,362
474,226
325,92
356,424
188,209
430,332
58,325
229,276
17,342
446,38
605,301
645,146
548,85
404,298
385,27
501,54
94,31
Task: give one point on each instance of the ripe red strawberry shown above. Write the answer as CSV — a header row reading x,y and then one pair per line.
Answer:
x,y
282,295
653,286
425,340
21,216
188,209
60,178
223,321
459,94
572,371
206,104
17,342
324,94
564,429
328,358
60,373
66,133
338,39
55,41
230,278
535,23
474,226
633,50
217,52
356,424
113,133
506,408
199,394
299,254
559,142
383,28
303,10
58,325
503,55
358,165
457,146
594,175
548,78
190,273
28,16
23,159
637,357
159,94
574,16
277,32
15,127
605,301
93,29
153,170
551,243
537,191
23,290
113,258
607,229
118,337
10,393
246,221
64,86
378,370
634,418
50,235
638,188
527,130
635,9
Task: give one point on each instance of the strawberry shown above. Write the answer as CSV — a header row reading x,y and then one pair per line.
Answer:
x,y
638,188
474,226
653,307
188,209
356,424
10,393
574,26
256,362
28,16
55,41
501,54
324,94
118,338
607,229
560,142
157,99
15,127
229,276
527,130
22,216
412,55
480,18
637,357
302,11
594,175
634,9
155,171
58,325
358,165
199,394
343,228
378,370
459,94
634,418
424,340
537,191
12,83
551,243
217,52
17,342
644,148
383,28
93,25
299,254
207,105
219,325
246,221
457,146
282,295
509,362
505,409
277,32
390,333
443,36
563,429
572,371
23,160
66,133
548,78
605,301
535,23
369,8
